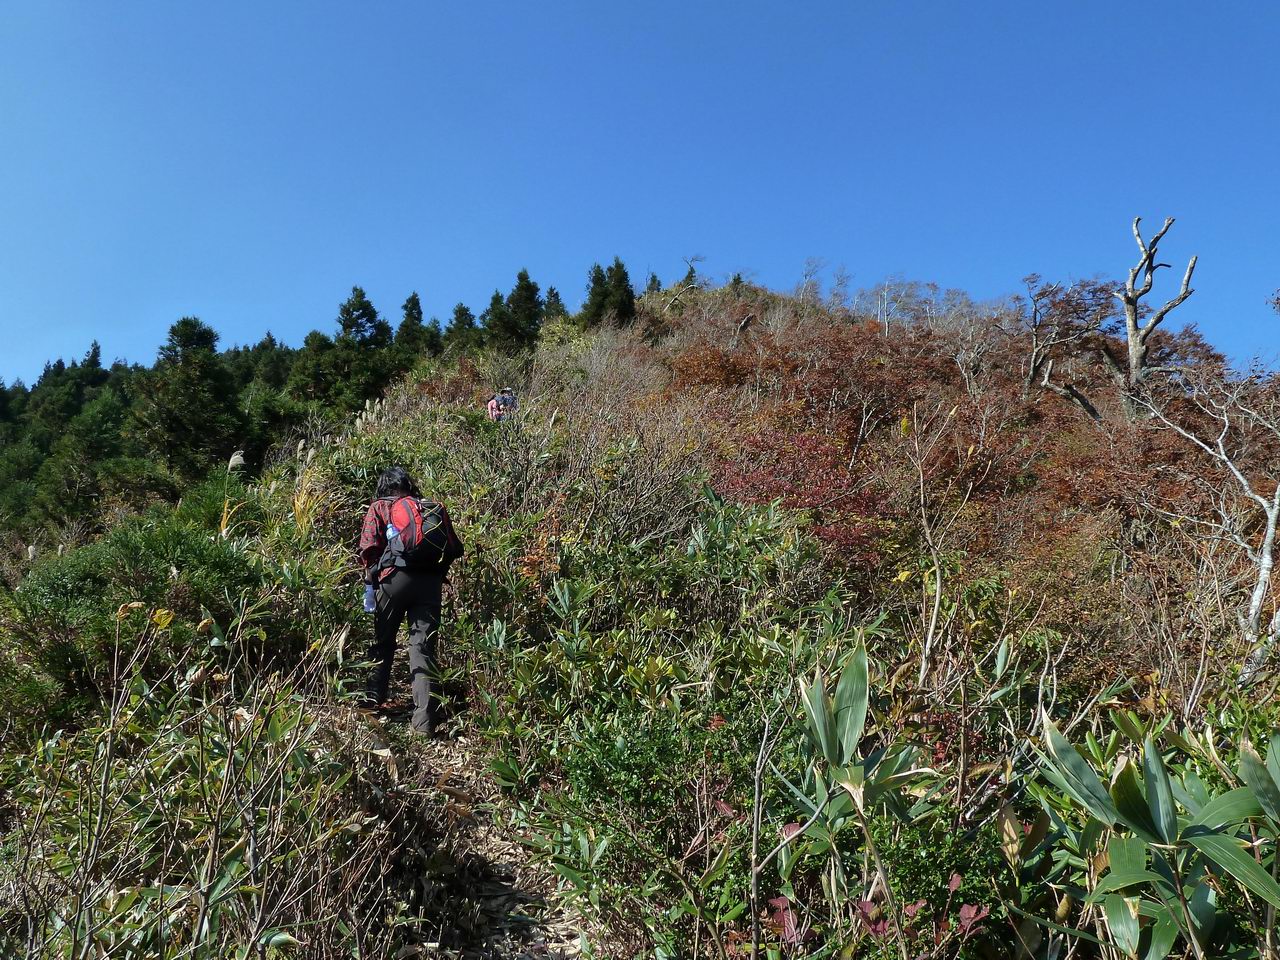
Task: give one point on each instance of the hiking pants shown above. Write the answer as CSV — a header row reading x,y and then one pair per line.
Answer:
x,y
414,596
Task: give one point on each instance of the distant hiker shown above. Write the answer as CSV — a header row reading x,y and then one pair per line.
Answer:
x,y
493,408
406,547
507,404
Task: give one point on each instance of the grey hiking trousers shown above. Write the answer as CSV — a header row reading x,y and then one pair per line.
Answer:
x,y
413,596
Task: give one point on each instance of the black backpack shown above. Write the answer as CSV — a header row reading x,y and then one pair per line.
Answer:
x,y
420,537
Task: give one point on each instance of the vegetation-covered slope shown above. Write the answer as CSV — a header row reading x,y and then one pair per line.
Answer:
x,y
771,616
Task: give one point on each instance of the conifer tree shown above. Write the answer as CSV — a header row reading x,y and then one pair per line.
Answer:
x,y
462,332
433,338
359,322
499,324
690,278
186,411
654,285
523,315
412,310
597,303
313,370
272,361
413,337
621,302
554,309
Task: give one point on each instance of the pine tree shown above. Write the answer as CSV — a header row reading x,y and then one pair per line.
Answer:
x,y
412,308
433,339
186,411
654,285
412,336
499,326
690,278
462,332
359,322
272,361
314,369
621,297
597,303
554,308
522,317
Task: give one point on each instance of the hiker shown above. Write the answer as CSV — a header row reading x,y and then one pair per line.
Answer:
x,y
493,408
406,546
507,403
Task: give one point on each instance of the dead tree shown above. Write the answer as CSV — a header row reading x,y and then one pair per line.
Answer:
x,y
1235,422
1131,370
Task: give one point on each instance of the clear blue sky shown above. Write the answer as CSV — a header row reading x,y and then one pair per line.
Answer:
x,y
248,162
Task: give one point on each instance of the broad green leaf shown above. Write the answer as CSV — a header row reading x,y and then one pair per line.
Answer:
x,y
1122,922
1228,808
1129,724
1159,793
1260,780
1229,854
814,699
851,697
1126,854
1163,934
1131,802
1116,880
1204,911
1081,780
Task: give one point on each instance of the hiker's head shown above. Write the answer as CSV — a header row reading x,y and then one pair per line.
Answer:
x,y
508,391
396,482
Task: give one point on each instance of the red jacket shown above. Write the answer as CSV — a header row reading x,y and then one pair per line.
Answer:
x,y
373,538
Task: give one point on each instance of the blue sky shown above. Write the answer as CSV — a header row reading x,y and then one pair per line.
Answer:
x,y
249,162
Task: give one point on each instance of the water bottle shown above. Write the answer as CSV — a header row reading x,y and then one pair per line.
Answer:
x,y
370,603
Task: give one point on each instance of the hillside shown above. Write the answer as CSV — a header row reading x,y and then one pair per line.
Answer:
x,y
779,618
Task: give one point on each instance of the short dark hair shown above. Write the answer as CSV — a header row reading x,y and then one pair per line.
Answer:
x,y
396,482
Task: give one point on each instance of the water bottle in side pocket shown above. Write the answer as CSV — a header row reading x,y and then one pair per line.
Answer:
x,y
370,598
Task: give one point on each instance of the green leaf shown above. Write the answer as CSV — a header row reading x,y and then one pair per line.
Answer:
x,y
1131,802
1273,757
1203,903
1228,808
1163,934
1129,724
1260,780
814,699
1159,793
851,697
1122,922
278,938
1081,780
1229,854
1122,880
1126,854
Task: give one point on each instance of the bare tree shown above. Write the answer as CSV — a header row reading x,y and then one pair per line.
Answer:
x,y
1235,422
1131,370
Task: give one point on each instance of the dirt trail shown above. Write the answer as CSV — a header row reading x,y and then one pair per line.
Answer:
x,y
498,905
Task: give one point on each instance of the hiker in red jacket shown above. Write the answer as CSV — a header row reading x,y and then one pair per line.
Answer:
x,y
406,547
